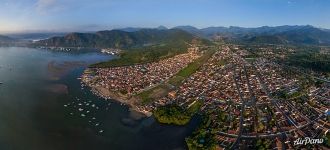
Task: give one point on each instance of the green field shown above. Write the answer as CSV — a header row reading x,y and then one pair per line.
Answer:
x,y
191,68
156,92
162,89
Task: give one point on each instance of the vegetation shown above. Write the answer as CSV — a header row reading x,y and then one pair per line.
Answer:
x,y
310,60
222,62
327,139
191,68
265,35
203,138
266,39
174,114
304,83
148,95
118,39
263,144
142,46
145,55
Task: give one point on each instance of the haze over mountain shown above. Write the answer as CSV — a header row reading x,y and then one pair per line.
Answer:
x,y
35,36
5,38
86,15
134,29
134,37
272,35
6,41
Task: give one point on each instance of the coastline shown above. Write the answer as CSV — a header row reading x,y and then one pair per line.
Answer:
x,y
97,80
94,79
107,94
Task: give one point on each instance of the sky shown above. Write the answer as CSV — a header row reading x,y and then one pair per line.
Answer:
x,y
93,15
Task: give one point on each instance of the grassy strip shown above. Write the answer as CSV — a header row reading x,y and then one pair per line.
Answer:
x,y
147,96
176,80
190,69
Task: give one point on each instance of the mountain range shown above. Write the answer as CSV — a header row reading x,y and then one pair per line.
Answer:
x,y
137,37
270,35
35,36
286,34
6,41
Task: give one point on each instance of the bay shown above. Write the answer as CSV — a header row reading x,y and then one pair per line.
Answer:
x,y
43,106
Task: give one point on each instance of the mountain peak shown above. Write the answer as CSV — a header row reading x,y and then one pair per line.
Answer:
x,y
162,28
186,27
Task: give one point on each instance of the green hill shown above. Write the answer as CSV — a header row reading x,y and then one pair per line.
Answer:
x,y
142,46
119,39
6,41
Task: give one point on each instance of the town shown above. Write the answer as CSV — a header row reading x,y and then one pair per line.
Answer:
x,y
250,100
129,80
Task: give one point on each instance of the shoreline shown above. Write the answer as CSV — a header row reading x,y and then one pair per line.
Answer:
x,y
111,95
97,80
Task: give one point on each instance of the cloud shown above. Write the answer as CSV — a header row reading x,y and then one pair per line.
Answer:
x,y
291,2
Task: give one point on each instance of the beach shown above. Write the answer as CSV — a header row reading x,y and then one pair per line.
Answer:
x,y
132,102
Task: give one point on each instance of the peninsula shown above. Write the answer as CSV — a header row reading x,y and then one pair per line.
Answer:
x,y
249,91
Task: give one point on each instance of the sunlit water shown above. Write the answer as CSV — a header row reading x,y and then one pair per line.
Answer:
x,y
42,106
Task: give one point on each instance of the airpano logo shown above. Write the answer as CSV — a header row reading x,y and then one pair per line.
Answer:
x,y
307,140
